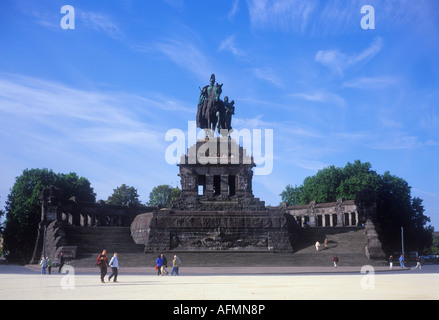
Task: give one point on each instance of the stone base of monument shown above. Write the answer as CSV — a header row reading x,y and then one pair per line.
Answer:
x,y
216,210
167,230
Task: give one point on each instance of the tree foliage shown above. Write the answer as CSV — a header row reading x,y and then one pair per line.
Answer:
x,y
396,207
124,195
163,195
23,212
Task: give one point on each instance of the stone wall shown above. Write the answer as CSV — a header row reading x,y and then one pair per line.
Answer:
x,y
56,213
166,230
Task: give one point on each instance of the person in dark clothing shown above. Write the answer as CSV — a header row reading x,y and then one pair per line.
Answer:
x,y
102,263
418,263
164,265
61,262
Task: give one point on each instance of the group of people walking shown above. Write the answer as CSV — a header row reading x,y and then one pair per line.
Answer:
x,y
335,259
46,264
103,263
161,265
401,262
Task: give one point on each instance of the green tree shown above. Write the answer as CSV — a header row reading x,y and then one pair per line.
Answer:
x,y
395,208
163,195
434,249
23,211
124,195
323,186
292,195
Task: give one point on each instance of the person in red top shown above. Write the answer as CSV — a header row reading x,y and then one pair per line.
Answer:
x,y
102,262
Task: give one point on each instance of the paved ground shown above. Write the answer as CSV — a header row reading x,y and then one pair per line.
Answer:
x,y
234,283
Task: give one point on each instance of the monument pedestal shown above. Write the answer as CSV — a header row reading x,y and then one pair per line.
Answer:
x,y
216,210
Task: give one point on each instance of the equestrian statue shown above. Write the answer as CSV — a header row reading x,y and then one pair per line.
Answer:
x,y
213,113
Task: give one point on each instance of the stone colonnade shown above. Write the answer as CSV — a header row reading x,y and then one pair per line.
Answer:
x,y
332,214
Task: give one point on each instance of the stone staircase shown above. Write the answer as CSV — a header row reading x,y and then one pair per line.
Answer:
x,y
90,241
347,243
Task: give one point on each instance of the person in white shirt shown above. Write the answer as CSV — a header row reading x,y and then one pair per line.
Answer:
x,y
114,264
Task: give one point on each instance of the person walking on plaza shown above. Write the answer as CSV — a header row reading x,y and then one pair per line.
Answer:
x,y
102,263
164,265
60,262
317,246
49,265
158,265
114,264
335,261
175,265
418,263
401,261
391,262
43,264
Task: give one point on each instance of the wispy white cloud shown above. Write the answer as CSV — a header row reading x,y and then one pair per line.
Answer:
x,y
321,97
185,54
109,137
281,14
234,9
372,82
338,61
267,74
318,17
100,22
229,45
395,141
50,108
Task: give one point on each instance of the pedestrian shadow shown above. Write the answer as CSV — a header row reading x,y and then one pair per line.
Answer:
x,y
331,245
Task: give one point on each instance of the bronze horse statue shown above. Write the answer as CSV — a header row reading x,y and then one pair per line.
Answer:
x,y
213,113
213,106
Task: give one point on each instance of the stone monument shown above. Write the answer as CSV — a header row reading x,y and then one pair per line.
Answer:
x,y
216,210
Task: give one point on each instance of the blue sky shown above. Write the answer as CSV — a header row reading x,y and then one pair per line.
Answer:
x,y
99,99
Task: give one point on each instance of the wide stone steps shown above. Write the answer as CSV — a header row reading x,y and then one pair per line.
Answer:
x,y
94,240
347,243
230,259
340,240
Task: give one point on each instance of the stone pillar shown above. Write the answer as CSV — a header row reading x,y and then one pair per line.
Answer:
x,y
312,220
82,220
209,185
340,219
70,218
224,185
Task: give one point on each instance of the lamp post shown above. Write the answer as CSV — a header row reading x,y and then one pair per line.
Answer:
x,y
402,242
44,241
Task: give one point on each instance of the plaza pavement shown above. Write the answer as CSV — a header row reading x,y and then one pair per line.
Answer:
x,y
222,283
